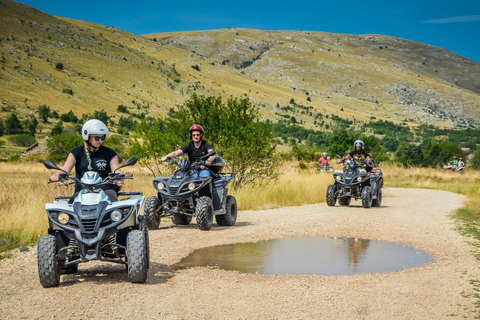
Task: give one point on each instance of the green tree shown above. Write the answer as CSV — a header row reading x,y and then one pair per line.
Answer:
x,y
126,125
475,162
30,125
233,128
437,153
69,117
44,112
60,145
409,155
13,125
58,129
2,128
341,142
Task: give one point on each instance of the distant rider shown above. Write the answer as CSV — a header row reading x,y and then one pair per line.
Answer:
x,y
460,165
324,160
455,161
196,148
360,155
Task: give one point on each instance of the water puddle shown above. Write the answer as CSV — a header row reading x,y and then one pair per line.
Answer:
x,y
320,255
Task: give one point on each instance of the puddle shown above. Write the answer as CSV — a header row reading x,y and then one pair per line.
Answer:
x,y
320,255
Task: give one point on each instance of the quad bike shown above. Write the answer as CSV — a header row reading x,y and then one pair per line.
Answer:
x,y
325,168
191,193
93,228
454,168
355,182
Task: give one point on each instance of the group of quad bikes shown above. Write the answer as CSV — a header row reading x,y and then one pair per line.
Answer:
x,y
94,228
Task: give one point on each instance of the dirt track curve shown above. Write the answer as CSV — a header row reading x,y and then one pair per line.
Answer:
x,y
419,218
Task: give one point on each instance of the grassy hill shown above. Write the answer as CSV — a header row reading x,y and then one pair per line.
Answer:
x,y
351,76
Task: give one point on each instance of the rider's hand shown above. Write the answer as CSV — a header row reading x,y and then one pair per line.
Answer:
x,y
208,162
128,174
54,177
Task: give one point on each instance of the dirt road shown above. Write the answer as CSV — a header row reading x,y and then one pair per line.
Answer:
x,y
419,218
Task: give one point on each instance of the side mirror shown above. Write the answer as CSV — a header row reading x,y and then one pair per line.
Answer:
x,y
50,165
338,156
129,162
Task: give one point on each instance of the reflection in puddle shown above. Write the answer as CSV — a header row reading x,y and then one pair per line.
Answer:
x,y
321,255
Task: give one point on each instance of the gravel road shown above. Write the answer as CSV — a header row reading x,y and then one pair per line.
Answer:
x,y
419,218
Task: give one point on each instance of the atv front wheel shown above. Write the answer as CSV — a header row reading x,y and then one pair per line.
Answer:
x,y
378,202
230,217
344,201
367,197
331,198
48,269
204,213
181,219
152,212
137,256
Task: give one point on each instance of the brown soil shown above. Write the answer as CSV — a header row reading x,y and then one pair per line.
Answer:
x,y
420,218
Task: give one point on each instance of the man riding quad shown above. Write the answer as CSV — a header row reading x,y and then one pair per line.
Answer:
x,y
195,149
359,155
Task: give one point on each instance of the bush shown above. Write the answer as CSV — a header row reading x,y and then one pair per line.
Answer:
x,y
13,125
67,90
60,145
22,140
409,155
59,66
126,125
69,117
122,108
58,129
44,112
2,128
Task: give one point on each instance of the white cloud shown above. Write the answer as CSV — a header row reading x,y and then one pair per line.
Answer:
x,y
454,19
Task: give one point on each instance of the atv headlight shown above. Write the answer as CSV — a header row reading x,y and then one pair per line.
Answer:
x,y
359,179
160,185
338,178
63,218
191,186
116,215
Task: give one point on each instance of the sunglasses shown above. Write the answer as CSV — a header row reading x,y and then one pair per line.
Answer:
x,y
97,138
196,135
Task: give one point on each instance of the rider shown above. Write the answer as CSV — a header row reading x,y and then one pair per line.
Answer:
x,y
196,148
455,161
93,156
360,155
324,160
460,164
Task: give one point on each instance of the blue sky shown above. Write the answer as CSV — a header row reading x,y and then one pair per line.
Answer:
x,y
453,25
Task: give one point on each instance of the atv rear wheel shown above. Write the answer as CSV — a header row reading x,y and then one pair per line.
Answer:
x,y
181,219
367,197
204,213
152,212
230,217
378,202
331,197
48,269
137,256
344,201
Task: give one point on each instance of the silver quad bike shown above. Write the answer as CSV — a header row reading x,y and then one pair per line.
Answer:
x,y
93,228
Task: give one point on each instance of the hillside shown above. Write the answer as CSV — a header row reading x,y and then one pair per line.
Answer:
x,y
351,76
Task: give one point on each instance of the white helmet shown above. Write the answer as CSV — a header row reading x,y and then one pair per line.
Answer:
x,y
360,142
324,154
93,127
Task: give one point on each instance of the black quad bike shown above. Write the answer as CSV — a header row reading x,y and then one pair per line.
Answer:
x,y
355,182
190,193
93,228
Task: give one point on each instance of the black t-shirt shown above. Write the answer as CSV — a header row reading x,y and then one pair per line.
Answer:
x,y
100,161
194,153
360,156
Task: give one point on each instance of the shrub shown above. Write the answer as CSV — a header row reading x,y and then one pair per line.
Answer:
x,y
23,140
13,125
122,108
69,117
59,66
67,90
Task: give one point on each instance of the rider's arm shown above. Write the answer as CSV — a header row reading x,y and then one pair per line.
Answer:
x,y
172,154
211,158
67,167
